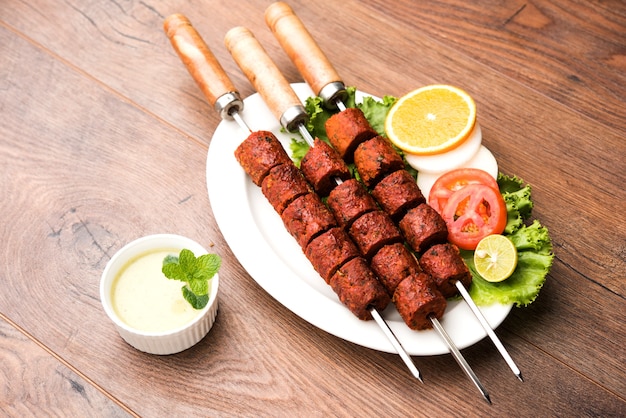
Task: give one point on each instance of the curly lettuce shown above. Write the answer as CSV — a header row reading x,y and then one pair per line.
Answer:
x,y
534,251
374,110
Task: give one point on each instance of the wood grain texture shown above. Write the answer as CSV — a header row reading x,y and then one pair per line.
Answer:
x,y
34,383
103,138
300,46
573,52
261,71
198,58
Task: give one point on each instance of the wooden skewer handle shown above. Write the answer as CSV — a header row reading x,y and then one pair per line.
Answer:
x,y
304,52
202,65
265,76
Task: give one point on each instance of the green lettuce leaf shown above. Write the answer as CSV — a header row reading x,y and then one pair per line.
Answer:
x,y
374,110
518,202
318,115
299,148
534,252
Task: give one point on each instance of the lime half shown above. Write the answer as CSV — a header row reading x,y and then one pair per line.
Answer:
x,y
495,258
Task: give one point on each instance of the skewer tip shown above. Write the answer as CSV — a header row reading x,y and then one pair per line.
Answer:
x,y
414,371
418,376
487,398
520,377
396,343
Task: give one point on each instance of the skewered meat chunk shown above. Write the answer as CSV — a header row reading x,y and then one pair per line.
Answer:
x,y
372,231
311,223
422,227
321,165
375,158
258,153
306,217
283,185
358,289
392,264
346,130
444,264
339,260
416,298
329,251
398,192
348,201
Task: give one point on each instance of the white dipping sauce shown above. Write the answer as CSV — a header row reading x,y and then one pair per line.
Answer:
x,y
146,300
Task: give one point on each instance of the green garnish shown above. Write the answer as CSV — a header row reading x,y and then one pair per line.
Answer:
x,y
374,110
195,272
534,251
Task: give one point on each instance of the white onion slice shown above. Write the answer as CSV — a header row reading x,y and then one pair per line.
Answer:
x,y
483,159
439,163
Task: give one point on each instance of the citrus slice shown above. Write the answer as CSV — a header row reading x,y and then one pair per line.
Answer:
x,y
431,120
495,258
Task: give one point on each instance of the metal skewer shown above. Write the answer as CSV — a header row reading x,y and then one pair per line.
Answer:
x,y
319,73
490,332
460,359
222,94
287,107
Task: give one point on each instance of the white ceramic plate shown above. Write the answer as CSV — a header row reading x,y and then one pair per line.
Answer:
x,y
257,237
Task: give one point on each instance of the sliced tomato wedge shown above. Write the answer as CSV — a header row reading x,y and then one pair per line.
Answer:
x,y
472,213
455,180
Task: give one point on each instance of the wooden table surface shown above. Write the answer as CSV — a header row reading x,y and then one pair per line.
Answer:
x,y
104,137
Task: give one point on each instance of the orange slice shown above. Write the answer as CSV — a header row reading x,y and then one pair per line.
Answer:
x,y
431,120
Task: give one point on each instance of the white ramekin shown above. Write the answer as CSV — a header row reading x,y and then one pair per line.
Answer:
x,y
168,342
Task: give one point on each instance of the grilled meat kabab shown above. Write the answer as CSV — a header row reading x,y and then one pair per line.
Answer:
x,y
331,252
381,168
346,130
322,166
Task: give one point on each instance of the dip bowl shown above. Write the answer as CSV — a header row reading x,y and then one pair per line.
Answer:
x,y
168,341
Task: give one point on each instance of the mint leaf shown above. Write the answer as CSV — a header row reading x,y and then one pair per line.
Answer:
x,y
172,269
197,302
209,264
187,262
170,259
195,272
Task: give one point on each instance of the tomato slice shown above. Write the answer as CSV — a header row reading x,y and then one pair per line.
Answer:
x,y
472,213
455,180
